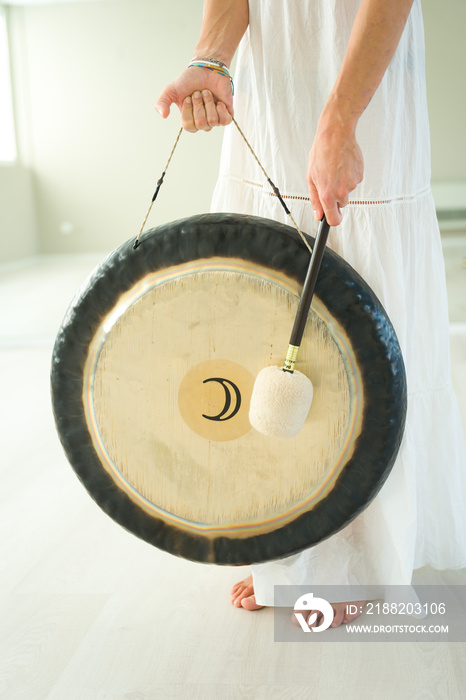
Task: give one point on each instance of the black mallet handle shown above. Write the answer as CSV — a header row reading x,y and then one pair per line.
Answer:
x,y
308,288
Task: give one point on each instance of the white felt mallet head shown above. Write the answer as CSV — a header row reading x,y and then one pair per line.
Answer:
x,y
280,402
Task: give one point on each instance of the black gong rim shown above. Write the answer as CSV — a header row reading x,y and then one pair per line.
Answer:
x,y
350,301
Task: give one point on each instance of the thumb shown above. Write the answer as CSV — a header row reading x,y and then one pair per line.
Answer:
x,y
166,99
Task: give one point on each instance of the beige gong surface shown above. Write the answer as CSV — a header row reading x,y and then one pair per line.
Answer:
x,y
167,385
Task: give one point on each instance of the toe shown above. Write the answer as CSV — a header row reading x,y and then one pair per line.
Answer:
x,y
241,585
242,589
353,610
237,601
236,589
294,619
249,603
314,618
242,593
311,617
338,617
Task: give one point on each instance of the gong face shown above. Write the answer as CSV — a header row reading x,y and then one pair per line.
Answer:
x,y
153,371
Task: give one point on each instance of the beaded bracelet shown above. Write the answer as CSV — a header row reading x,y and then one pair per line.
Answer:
x,y
212,64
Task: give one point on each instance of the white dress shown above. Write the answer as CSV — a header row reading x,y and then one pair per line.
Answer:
x,y
287,64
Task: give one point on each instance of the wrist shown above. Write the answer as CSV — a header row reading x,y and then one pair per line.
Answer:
x,y
209,59
212,54
339,112
214,65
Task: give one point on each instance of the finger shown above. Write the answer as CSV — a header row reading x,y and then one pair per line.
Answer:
x,y
224,116
332,214
199,112
315,201
187,117
333,200
343,202
166,99
210,107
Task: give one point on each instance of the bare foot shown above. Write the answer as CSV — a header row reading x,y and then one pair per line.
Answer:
x,y
242,595
343,613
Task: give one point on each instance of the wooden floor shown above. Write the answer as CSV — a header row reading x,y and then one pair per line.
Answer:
x,y
89,612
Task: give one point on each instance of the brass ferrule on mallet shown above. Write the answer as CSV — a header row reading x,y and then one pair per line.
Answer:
x,y
291,357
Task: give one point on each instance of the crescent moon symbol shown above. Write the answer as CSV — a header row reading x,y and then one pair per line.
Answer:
x,y
222,415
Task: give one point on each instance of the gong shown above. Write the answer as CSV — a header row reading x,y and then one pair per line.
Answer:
x,y
152,373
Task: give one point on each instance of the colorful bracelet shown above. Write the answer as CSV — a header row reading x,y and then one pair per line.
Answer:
x,y
212,64
222,64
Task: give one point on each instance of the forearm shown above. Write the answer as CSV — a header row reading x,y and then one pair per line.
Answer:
x,y
336,163
224,23
374,37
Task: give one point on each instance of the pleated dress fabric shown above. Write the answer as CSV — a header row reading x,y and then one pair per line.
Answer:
x,y
286,66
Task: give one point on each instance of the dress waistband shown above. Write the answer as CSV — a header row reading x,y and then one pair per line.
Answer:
x,y
351,203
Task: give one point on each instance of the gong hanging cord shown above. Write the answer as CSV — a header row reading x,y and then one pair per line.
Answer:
x,y
272,185
157,189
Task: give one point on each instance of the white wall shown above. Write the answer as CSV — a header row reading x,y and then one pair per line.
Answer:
x,y
18,230
86,78
88,75
445,25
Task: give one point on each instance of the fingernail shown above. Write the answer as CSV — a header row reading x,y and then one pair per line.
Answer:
x,y
188,100
197,94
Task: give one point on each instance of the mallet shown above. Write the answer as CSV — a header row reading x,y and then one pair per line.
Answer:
x,y
282,396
